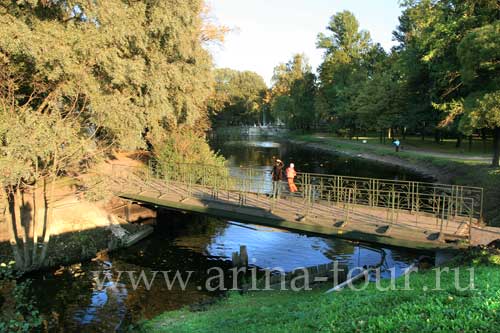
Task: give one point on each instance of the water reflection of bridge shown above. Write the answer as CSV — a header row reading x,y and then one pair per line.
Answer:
x,y
401,213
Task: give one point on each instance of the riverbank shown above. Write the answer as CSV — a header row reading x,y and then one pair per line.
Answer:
x,y
86,219
370,310
469,170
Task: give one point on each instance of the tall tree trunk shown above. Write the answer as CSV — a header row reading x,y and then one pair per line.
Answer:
x,y
470,143
8,199
49,207
496,147
483,139
20,228
35,231
23,226
437,136
389,133
459,141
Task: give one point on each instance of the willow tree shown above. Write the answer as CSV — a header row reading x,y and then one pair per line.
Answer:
x,y
87,76
42,138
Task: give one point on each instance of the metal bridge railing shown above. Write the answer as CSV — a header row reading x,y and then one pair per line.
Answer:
x,y
352,194
410,193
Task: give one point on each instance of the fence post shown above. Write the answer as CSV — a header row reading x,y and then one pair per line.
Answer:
x,y
442,218
349,193
471,213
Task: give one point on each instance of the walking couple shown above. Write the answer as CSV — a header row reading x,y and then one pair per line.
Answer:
x,y
277,176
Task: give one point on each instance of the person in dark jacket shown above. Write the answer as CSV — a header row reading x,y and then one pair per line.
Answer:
x,y
277,175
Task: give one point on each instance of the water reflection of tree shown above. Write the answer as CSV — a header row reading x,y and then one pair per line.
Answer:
x,y
57,296
339,249
241,153
191,230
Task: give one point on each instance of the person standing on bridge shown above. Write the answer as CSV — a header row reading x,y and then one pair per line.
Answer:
x,y
290,175
277,175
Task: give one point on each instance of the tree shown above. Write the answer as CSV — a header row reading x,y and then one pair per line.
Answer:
x,y
479,54
80,78
38,145
238,97
293,93
379,103
348,61
429,34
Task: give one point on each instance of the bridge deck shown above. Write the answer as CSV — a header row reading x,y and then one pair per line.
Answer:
x,y
356,222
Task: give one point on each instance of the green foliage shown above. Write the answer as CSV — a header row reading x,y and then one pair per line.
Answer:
x,y
132,67
184,147
478,53
293,93
187,157
479,57
379,102
17,310
442,77
430,35
238,97
79,78
348,61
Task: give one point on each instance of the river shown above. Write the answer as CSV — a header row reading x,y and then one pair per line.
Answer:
x,y
188,243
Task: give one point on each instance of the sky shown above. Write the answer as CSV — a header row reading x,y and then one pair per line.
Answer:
x,y
268,32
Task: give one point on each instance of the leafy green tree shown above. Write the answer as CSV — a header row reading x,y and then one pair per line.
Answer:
x,y
429,34
479,54
41,141
79,78
293,94
238,97
379,103
348,61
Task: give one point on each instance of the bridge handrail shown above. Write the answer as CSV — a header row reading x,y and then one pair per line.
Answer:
x,y
414,202
413,187
257,170
429,203
441,208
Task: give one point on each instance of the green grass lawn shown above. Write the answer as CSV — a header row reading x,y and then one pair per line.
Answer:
x,y
371,310
411,146
446,146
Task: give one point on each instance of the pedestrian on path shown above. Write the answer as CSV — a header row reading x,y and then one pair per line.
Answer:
x,y
397,143
290,175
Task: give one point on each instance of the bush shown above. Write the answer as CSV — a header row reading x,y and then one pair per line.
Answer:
x,y
185,156
17,309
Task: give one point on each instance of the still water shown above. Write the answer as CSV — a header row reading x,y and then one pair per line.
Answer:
x,y
193,245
